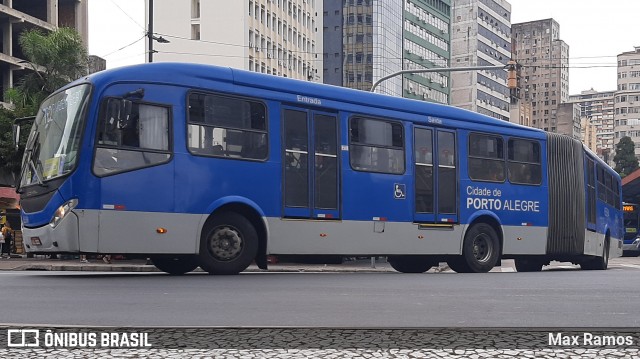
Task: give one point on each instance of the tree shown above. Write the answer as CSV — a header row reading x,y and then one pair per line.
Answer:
x,y
56,58
625,158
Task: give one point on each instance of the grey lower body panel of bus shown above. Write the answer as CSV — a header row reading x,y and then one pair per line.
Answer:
x,y
136,232
288,236
112,231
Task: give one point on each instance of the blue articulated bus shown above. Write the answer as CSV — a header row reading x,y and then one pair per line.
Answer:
x,y
196,165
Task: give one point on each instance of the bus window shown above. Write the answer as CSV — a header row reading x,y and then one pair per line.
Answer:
x,y
227,127
376,146
602,191
591,193
486,158
423,147
524,162
447,193
138,139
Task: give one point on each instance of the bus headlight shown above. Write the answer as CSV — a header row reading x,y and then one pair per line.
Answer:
x,y
62,211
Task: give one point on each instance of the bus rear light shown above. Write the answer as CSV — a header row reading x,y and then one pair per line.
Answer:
x,y
161,230
325,215
323,235
381,219
527,224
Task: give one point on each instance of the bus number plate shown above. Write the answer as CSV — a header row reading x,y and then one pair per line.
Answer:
x,y
36,241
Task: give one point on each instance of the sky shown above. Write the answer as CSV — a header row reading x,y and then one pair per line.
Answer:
x,y
595,31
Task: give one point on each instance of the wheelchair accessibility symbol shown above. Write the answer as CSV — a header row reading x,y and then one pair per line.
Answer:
x,y
399,191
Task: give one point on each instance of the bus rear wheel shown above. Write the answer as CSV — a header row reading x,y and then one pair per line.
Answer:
x,y
228,244
528,265
459,265
410,264
176,265
480,250
598,263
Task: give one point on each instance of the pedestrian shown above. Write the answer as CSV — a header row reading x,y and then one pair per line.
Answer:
x,y
83,258
1,240
7,233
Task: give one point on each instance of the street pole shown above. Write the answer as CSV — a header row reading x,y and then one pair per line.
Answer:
x,y
510,66
150,31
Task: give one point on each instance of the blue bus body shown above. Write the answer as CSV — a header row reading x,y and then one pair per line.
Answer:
x,y
389,192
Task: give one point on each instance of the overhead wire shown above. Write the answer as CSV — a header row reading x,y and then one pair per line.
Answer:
x,y
132,19
124,47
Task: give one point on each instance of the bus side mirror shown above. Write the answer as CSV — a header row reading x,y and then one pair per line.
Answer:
x,y
16,135
16,129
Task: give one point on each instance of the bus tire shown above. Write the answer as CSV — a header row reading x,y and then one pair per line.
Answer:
x,y
528,265
480,249
176,265
598,263
228,244
410,264
458,264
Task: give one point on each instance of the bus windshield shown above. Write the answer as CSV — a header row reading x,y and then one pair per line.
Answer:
x,y
54,140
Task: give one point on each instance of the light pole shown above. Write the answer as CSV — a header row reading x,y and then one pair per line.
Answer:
x,y
511,66
150,35
150,31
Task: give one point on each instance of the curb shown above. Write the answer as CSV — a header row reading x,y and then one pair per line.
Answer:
x,y
84,268
151,268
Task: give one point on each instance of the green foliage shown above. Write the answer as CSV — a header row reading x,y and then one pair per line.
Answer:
x,y
10,159
56,59
61,53
625,158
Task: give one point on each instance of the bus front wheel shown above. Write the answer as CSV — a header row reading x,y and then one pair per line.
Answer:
x,y
480,249
410,264
177,265
228,245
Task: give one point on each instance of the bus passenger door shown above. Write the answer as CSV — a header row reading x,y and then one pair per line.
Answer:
x,y
435,177
311,180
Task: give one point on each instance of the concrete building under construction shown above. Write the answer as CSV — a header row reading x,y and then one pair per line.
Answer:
x,y
17,16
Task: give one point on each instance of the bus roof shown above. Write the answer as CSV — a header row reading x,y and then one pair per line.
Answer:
x,y
200,76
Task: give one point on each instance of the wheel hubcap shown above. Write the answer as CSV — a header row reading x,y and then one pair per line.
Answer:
x,y
482,248
226,243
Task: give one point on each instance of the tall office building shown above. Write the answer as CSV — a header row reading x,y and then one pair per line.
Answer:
x,y
481,36
427,45
627,98
363,42
279,37
366,40
46,15
544,75
596,117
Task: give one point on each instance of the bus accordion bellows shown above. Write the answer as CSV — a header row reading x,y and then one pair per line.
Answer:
x,y
204,166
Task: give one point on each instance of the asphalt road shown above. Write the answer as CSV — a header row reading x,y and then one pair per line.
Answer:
x,y
557,298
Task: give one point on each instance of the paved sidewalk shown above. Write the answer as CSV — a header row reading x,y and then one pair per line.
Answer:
x,y
21,263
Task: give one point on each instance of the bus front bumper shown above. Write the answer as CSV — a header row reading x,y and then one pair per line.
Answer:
x,y
47,239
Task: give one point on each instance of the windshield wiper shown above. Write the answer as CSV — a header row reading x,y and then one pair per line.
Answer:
x,y
31,149
35,171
